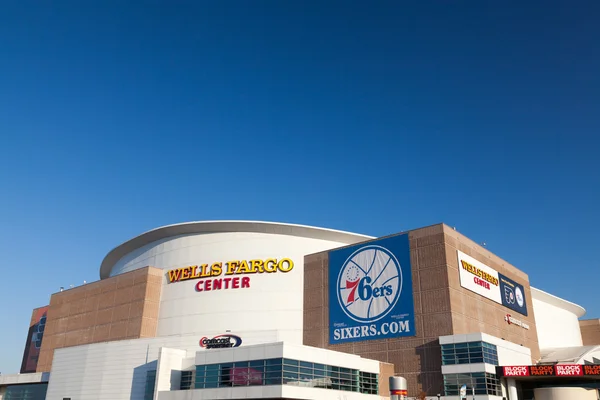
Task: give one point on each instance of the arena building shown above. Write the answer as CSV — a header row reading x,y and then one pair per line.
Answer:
x,y
259,310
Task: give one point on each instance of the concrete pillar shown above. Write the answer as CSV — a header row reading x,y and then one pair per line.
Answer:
x,y
511,386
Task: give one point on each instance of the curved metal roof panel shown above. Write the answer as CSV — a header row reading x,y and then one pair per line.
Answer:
x,y
207,227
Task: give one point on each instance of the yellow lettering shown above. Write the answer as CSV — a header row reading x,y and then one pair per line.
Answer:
x,y
231,266
243,269
256,266
216,269
270,265
205,271
174,275
479,273
285,265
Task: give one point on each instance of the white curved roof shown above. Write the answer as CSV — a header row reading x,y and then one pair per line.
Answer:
x,y
206,227
540,295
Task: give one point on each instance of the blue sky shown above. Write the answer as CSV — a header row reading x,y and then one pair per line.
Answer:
x,y
120,116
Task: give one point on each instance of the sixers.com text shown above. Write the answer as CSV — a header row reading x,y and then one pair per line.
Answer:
x,y
370,330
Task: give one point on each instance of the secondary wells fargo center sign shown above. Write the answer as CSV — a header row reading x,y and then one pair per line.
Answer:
x,y
229,275
486,281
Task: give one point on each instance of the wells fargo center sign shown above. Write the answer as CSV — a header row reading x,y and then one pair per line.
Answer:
x,y
233,274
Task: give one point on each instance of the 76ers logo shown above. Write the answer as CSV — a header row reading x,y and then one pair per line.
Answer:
x,y
369,284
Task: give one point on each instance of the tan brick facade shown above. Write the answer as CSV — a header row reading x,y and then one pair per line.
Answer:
x,y
590,332
442,307
122,307
474,313
385,372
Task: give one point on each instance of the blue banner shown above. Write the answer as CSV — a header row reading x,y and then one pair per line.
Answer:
x,y
512,294
370,291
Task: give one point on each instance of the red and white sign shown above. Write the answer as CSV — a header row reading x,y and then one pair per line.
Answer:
x,y
541,370
516,371
569,370
557,370
511,320
591,369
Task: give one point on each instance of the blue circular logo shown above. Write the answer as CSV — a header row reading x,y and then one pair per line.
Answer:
x,y
369,284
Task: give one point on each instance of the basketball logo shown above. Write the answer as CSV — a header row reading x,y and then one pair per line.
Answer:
x,y
369,284
519,296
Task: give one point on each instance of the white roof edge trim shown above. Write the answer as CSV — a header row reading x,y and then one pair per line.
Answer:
x,y
224,226
558,302
240,221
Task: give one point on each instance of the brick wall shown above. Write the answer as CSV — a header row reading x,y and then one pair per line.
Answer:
x,y
442,307
590,332
474,313
122,307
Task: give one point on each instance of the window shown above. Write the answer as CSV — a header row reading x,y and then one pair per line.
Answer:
x,y
277,371
38,335
187,378
469,353
150,381
369,383
26,392
483,382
